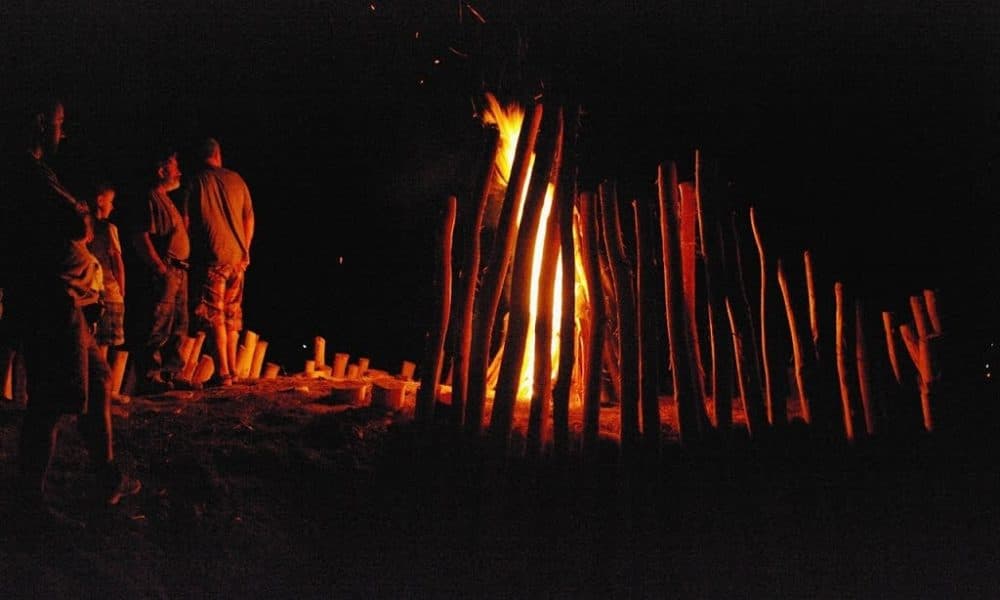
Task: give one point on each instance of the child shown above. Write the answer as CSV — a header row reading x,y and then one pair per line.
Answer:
x,y
106,246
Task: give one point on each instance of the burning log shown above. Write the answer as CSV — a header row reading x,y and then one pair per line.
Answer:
x,y
845,392
204,370
773,416
685,389
406,370
488,300
465,306
435,339
797,355
545,171
623,277
754,422
319,351
864,383
187,373
310,368
594,343
271,370
339,367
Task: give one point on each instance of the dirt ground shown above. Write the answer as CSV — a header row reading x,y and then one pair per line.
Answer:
x,y
279,490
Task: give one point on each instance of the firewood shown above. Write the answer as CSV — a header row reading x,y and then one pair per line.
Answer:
x,y
352,372
545,171
774,416
339,367
890,345
118,363
204,371
271,370
186,347
187,373
861,356
811,289
310,368
541,397
594,343
645,284
845,393
797,357
363,363
437,335
488,300
258,359
406,370
319,350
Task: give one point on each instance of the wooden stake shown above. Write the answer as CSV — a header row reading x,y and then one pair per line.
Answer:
x,y
845,394
271,370
861,355
797,359
773,416
436,337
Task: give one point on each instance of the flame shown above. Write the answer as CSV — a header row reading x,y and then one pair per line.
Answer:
x,y
509,120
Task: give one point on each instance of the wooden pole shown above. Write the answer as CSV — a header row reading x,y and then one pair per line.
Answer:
x,y
739,361
774,417
545,171
319,351
890,345
797,358
864,375
623,274
488,300
649,402
436,336
845,394
933,317
595,339
923,359
811,289
685,389
687,224
472,224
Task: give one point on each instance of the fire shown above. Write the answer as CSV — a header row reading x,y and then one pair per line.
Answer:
x,y
509,120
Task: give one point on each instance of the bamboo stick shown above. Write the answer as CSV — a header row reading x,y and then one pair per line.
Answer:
x,y
545,171
488,300
685,389
861,356
541,396
797,359
773,416
845,394
593,347
628,351
466,295
436,336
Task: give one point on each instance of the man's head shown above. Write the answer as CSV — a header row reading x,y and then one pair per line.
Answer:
x,y
103,201
211,153
46,127
168,172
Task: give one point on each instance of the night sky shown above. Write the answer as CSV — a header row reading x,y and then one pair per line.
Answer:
x,y
863,131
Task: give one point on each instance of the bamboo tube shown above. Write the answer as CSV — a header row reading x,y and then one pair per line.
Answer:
x,y
797,360
352,372
930,302
910,342
739,361
773,416
271,370
186,347
890,345
623,275
681,363
811,289
338,369
319,351
310,367
205,369
245,355
363,363
566,193
593,346
258,359
845,394
861,356
545,171
466,295
646,331
187,373
541,397
488,300
437,336
407,370
118,363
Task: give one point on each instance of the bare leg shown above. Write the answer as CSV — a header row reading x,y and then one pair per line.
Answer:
x,y
234,337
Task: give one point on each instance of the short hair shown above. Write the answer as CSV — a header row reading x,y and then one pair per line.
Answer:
x,y
161,158
103,187
209,146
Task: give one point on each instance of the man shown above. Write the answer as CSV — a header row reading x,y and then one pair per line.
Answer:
x,y
160,237
222,227
46,290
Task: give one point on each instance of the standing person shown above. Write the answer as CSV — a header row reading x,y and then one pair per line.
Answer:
x,y
222,227
47,290
160,238
106,246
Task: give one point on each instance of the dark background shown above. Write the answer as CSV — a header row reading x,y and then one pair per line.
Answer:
x,y
864,132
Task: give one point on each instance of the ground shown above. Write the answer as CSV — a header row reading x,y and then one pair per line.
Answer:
x,y
280,490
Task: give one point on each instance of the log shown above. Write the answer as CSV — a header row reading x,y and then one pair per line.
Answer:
x,y
739,360
363,363
204,371
310,367
245,355
864,375
545,172
488,300
890,345
271,370
686,393
811,289
797,357
933,317
259,351
406,370
594,343
319,350
774,417
118,363
466,295
845,393
185,349
437,336
187,373
645,283
339,367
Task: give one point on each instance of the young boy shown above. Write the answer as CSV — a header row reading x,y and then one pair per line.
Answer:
x,y
107,247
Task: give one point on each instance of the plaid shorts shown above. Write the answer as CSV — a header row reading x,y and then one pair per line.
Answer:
x,y
221,300
111,325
